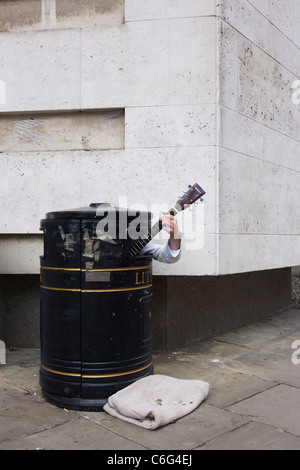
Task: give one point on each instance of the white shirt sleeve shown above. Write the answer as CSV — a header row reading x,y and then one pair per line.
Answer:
x,y
162,253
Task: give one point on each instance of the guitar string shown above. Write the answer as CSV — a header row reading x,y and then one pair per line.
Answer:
x,y
137,246
143,241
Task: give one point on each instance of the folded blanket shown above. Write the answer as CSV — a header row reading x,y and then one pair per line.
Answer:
x,y
156,400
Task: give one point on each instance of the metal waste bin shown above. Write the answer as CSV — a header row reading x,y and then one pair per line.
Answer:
x,y
95,307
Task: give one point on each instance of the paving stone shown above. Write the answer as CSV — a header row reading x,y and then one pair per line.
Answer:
x,y
275,336
24,376
254,436
203,424
266,365
226,386
278,407
265,330
21,355
255,389
78,434
23,413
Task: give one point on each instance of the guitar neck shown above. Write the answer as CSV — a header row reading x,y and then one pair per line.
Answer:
x,y
194,193
152,232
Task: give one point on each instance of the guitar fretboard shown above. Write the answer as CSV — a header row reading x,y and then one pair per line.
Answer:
x,y
150,234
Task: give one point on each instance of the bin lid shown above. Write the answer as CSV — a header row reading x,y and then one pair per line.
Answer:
x,y
94,211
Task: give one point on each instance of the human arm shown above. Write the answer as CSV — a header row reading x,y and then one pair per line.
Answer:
x,y
170,252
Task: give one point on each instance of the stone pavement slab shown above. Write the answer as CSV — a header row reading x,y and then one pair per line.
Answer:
x,y
23,413
266,365
264,331
254,436
278,406
252,404
75,434
227,385
205,423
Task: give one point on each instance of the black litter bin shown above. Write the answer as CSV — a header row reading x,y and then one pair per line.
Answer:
x,y
96,326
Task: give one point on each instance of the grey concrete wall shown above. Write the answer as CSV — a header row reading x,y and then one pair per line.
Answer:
x,y
184,309
19,310
189,309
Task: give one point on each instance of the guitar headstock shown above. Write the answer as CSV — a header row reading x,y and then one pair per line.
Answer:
x,y
194,193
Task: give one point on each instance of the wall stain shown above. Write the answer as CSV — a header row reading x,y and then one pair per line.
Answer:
x,y
24,15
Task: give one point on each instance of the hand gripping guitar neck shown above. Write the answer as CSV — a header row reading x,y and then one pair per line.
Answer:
x,y
194,193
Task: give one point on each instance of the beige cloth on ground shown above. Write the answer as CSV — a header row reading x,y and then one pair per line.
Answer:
x,y
157,400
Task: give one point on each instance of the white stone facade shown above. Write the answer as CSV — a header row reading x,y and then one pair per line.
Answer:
x,y
138,99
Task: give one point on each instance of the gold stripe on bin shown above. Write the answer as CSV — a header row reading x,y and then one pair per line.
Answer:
x,y
59,372
96,376
61,269
140,280
131,268
120,289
